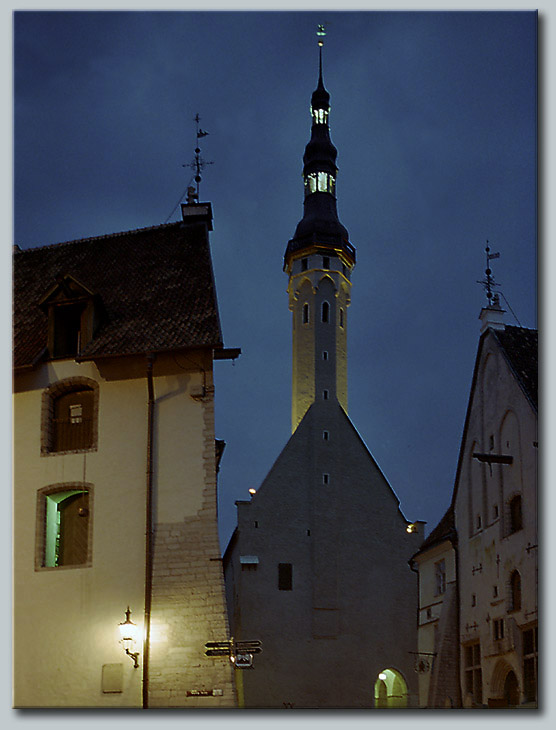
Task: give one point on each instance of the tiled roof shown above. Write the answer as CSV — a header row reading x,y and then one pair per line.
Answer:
x,y
155,284
445,529
521,348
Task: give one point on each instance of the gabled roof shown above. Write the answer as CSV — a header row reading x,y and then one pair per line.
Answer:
x,y
155,284
520,346
445,530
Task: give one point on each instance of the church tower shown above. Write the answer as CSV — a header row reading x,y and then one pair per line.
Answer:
x,y
317,568
319,260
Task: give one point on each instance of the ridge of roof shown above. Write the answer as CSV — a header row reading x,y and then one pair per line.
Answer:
x,y
18,250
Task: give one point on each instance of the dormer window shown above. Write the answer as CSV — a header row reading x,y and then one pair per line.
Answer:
x,y
320,182
73,313
66,326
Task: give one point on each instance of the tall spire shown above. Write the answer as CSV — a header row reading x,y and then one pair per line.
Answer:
x,y
320,224
319,259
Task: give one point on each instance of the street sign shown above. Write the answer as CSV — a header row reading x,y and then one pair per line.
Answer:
x,y
218,652
244,661
248,647
218,648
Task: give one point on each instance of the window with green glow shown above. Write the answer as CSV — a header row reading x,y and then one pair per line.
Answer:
x,y
65,529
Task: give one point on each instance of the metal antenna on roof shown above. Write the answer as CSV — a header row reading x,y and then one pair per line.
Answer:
x,y
488,282
197,164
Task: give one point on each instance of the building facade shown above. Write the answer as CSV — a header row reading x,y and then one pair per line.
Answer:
x,y
489,536
317,568
115,464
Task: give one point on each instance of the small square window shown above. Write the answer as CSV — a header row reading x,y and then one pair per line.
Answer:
x,y
285,576
76,413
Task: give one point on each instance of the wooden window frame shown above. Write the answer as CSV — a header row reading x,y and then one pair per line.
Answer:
x,y
41,526
49,398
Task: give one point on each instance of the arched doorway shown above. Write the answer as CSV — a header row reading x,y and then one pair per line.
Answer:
x,y
390,689
511,690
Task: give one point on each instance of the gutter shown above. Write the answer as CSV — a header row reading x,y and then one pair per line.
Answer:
x,y
148,532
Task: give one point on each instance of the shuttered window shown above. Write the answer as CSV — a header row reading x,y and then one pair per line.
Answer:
x,y
73,421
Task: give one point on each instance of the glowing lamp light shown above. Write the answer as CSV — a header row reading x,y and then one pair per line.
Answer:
x,y
252,491
411,528
128,637
382,676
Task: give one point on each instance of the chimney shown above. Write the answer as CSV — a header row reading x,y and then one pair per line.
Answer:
x,y
493,315
193,212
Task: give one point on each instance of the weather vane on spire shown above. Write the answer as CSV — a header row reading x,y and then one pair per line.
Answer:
x,y
488,282
197,164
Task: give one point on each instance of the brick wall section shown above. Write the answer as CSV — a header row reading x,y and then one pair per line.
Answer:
x,y
188,607
444,688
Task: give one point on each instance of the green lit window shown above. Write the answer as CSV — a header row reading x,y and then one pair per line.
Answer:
x,y
64,530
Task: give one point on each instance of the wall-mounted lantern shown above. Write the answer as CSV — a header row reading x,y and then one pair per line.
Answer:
x,y
128,637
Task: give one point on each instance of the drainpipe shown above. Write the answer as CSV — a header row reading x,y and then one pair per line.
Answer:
x,y
148,532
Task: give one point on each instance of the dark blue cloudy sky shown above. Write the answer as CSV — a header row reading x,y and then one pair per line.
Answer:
x,y
434,118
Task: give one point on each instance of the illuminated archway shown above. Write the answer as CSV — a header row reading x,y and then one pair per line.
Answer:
x,y
390,689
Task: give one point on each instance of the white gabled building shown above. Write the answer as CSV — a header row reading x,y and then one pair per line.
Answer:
x,y
115,462
481,637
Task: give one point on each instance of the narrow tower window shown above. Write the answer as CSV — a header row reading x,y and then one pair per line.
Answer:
x,y
341,317
516,517
326,262
325,311
305,313
303,264
325,354
326,478
515,591
325,395
325,435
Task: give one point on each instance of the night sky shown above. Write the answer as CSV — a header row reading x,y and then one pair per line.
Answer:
x,y
434,118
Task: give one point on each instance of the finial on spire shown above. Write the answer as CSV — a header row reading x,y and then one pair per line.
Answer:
x,y
320,35
197,164
488,282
